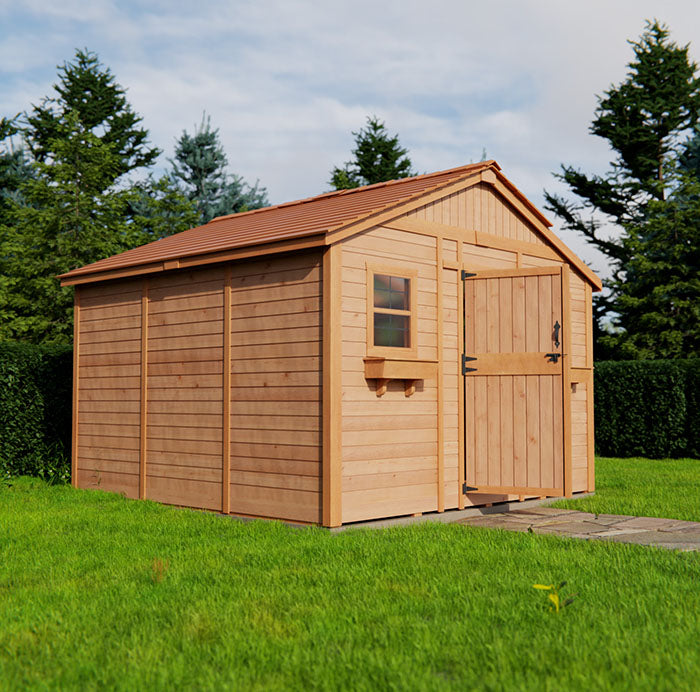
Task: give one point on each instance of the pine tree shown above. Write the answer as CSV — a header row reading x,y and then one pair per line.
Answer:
x,y
377,157
88,89
15,167
200,168
643,119
658,300
74,209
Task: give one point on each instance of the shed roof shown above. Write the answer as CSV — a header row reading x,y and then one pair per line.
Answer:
x,y
315,216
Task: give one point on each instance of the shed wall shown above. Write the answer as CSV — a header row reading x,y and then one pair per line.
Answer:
x,y
109,334
390,459
276,388
389,444
184,394
174,325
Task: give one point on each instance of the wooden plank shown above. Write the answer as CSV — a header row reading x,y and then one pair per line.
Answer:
x,y
200,259
534,440
513,272
520,430
547,441
535,363
331,512
76,388
440,383
494,472
566,377
185,493
461,394
277,503
513,490
589,327
506,430
144,390
480,415
226,396
590,434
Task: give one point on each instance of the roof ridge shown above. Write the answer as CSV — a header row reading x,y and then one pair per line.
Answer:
x,y
348,191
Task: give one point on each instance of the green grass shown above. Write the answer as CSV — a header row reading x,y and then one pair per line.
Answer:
x,y
260,606
667,488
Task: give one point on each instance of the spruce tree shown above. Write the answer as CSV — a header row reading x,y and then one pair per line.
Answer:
x,y
75,209
15,167
199,167
88,90
657,305
644,120
378,157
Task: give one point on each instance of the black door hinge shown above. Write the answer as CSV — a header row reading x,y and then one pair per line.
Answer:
x,y
466,275
465,360
467,488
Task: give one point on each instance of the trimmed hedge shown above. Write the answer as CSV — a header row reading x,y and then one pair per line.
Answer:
x,y
35,410
647,408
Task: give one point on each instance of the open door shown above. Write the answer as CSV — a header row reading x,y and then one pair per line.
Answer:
x,y
514,382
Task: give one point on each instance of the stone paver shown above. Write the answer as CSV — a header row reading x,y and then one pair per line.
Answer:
x,y
663,533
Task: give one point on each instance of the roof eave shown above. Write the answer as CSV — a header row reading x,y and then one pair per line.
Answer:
x,y
191,261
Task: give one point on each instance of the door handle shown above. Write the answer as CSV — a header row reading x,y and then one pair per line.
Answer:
x,y
553,357
557,327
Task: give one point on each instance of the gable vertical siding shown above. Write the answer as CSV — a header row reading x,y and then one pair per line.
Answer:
x,y
109,387
276,388
479,208
389,443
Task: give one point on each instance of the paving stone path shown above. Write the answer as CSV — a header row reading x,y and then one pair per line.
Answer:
x,y
662,533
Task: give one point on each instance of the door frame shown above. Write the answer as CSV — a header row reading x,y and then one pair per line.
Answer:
x,y
564,271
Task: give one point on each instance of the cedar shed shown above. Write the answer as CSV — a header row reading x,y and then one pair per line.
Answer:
x,y
419,345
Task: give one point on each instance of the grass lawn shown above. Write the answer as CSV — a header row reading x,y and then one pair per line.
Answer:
x,y
644,487
260,606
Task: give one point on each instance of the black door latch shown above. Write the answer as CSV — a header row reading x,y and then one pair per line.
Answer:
x,y
553,357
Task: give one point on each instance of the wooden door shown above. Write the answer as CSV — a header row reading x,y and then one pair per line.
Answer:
x,y
514,382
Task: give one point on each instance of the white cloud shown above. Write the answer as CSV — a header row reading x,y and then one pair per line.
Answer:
x,y
287,80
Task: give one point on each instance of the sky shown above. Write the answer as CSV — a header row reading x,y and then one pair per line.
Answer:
x,y
288,81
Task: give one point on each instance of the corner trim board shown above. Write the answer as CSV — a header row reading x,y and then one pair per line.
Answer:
x,y
143,442
331,510
226,396
76,389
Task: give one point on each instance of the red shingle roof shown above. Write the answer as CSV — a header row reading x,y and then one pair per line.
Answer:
x,y
305,217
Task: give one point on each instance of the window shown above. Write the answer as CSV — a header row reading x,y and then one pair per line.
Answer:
x,y
391,324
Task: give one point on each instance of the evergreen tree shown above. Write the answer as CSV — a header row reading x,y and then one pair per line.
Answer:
x,y
15,168
157,208
643,119
88,90
658,301
74,209
377,157
200,168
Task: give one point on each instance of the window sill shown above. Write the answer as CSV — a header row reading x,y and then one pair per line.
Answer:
x,y
384,369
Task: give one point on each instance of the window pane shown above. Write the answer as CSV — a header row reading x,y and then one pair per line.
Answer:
x,y
391,292
382,298
391,330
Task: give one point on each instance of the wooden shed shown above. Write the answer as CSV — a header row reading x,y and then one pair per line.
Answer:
x,y
420,345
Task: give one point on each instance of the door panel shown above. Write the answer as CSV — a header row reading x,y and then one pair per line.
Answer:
x,y
513,388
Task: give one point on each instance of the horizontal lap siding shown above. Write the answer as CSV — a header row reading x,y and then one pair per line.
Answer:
x,y
389,444
109,387
579,437
184,443
275,388
579,324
